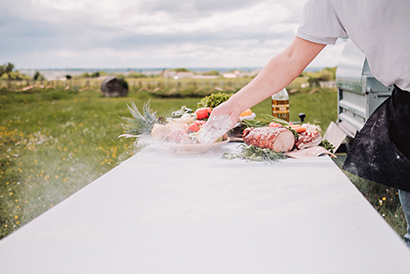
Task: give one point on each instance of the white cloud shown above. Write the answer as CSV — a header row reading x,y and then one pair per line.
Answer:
x,y
330,55
64,5
263,14
150,33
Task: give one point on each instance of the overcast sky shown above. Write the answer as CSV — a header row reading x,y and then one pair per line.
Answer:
x,y
41,34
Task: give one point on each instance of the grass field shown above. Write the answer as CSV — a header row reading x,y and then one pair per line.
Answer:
x,y
54,142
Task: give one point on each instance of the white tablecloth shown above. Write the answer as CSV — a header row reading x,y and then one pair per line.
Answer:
x,y
164,213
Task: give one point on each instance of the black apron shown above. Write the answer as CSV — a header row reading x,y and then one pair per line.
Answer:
x,y
381,150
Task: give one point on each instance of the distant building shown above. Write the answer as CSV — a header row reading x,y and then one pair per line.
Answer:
x,y
177,75
114,87
327,84
239,74
252,73
189,74
206,76
230,75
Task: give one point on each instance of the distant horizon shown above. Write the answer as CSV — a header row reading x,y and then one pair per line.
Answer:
x,y
156,70
145,68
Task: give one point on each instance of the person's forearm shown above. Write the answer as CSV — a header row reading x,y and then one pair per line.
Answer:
x,y
275,76
280,71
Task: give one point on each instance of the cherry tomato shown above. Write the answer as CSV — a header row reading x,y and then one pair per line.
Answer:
x,y
193,127
202,113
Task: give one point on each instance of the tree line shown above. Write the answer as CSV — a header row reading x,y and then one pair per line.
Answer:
x,y
313,78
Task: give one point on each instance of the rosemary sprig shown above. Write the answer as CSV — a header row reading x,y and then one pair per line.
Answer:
x,y
253,153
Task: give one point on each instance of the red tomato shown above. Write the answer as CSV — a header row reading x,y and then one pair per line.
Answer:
x,y
193,127
202,113
273,124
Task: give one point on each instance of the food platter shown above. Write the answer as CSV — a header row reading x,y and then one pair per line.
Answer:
x,y
194,148
182,132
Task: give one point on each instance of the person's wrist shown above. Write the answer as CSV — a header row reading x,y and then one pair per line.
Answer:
x,y
236,104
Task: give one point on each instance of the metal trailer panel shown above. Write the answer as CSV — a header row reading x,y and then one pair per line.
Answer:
x,y
359,92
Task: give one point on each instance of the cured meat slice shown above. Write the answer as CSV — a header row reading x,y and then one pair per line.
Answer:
x,y
308,139
311,152
277,139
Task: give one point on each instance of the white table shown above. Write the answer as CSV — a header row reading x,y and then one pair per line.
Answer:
x,y
161,213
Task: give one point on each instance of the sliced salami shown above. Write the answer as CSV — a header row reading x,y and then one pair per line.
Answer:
x,y
308,139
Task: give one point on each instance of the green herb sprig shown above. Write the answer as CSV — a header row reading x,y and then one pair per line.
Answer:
x,y
327,145
214,100
264,121
256,154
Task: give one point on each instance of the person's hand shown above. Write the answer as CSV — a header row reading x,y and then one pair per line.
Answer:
x,y
223,118
227,109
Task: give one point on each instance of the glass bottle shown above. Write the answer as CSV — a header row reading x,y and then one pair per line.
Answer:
x,y
280,105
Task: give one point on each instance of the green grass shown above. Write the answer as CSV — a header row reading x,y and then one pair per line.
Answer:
x,y
320,107
54,142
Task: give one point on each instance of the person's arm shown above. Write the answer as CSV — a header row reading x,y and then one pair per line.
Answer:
x,y
280,71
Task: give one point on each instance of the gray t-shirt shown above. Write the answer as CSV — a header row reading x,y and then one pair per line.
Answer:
x,y
380,28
